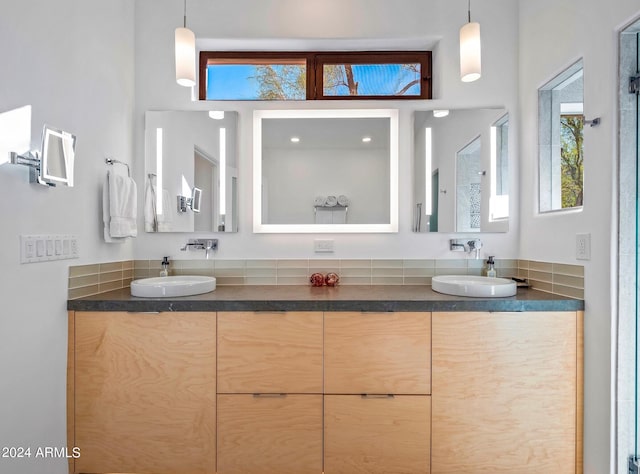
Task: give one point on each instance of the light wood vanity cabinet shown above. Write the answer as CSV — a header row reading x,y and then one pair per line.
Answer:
x,y
143,392
333,392
507,393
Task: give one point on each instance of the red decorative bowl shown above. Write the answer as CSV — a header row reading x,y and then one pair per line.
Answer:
x,y
317,279
331,279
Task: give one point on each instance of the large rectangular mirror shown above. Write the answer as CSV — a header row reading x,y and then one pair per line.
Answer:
x,y
461,171
191,171
325,171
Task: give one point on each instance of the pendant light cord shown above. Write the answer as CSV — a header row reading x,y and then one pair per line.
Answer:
x,y
468,10
185,13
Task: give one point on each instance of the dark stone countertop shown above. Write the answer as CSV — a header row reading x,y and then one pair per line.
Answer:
x,y
340,298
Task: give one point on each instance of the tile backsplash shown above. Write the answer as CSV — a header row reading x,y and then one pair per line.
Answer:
x,y
87,280
297,271
562,279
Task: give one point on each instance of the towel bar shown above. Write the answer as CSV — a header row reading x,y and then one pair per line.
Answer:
x,y
112,161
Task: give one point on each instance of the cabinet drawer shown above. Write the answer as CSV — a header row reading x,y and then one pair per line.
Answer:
x,y
378,353
270,352
269,434
377,435
145,392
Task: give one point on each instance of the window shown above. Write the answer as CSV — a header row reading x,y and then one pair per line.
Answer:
x,y
561,151
499,200
310,75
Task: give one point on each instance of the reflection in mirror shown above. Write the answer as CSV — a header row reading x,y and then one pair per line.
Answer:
x,y
325,170
461,181
191,154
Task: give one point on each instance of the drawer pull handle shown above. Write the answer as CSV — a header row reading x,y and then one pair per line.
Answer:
x,y
381,395
269,395
270,312
143,312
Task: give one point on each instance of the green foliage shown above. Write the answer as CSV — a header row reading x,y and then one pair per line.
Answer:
x,y
572,160
281,82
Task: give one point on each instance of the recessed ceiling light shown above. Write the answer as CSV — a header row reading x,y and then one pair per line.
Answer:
x,y
295,139
366,139
440,113
216,114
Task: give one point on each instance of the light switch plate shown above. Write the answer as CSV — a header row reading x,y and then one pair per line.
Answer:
x,y
43,248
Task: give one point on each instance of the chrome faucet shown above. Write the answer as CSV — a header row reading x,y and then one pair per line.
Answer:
x,y
466,245
208,245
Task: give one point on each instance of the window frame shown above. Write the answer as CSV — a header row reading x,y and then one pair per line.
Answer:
x,y
548,189
315,60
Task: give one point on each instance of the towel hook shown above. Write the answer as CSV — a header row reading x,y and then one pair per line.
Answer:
x,y
112,161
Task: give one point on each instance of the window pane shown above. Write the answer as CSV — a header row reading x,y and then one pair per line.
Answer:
x,y
371,79
265,81
571,151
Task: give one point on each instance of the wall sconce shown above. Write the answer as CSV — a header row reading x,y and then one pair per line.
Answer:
x,y
470,57
185,54
52,165
193,202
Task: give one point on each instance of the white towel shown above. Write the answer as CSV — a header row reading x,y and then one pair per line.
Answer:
x,y
122,206
164,221
106,217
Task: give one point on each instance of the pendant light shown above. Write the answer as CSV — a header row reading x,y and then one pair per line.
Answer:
x,y
185,54
470,63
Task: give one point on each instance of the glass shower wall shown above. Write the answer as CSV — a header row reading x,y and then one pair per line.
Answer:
x,y
628,264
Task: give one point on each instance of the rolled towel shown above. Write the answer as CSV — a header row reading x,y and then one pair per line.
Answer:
x,y
343,200
331,201
319,201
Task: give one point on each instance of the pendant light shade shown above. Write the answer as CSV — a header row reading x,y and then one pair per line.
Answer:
x,y
185,57
470,57
185,54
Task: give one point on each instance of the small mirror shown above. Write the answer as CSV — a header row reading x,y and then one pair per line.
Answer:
x,y
325,171
191,155
461,171
58,154
196,196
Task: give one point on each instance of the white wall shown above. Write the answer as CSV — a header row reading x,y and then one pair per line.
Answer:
x,y
553,35
356,23
73,62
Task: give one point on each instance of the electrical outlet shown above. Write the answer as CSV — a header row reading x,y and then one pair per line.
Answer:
x,y
583,246
323,245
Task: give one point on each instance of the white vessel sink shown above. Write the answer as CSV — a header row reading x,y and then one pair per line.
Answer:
x,y
474,286
181,285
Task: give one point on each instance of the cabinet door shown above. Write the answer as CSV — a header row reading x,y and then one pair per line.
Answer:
x,y
504,393
378,353
369,435
145,392
270,434
270,352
